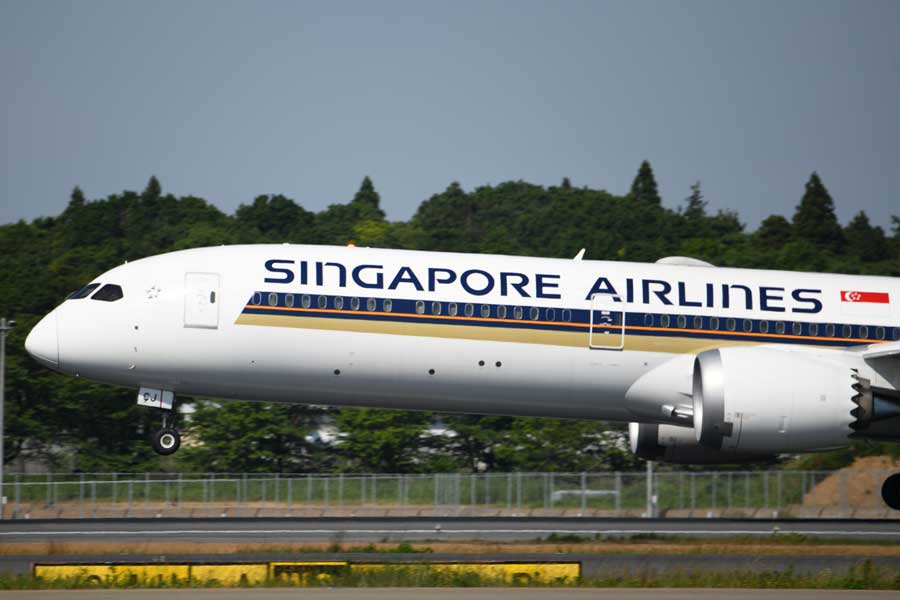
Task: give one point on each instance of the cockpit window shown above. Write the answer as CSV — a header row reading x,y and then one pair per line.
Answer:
x,y
84,292
108,293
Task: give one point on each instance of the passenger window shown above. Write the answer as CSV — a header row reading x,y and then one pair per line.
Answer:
x,y
813,329
371,304
470,310
501,312
550,314
764,327
896,335
518,313
534,313
388,305
305,301
648,320
829,330
779,327
864,332
451,309
567,315
289,300
354,303
257,299
323,302
664,320
420,307
714,322
485,311
273,299
698,322
339,302
109,293
682,321
847,331
879,333
731,324
86,291
435,308
748,325
797,328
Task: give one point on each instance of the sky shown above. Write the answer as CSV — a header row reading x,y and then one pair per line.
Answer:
x,y
229,100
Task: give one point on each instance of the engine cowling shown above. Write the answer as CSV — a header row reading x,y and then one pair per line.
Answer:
x,y
674,444
763,400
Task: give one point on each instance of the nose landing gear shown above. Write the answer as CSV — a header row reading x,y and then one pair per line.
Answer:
x,y
890,491
167,440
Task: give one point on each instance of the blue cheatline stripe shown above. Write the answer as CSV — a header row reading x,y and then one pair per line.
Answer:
x,y
404,310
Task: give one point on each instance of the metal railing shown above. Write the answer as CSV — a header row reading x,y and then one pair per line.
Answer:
x,y
767,494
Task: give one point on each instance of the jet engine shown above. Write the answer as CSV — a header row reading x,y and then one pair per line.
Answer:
x,y
762,400
674,444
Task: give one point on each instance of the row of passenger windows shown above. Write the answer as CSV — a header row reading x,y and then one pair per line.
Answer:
x,y
828,330
451,309
534,313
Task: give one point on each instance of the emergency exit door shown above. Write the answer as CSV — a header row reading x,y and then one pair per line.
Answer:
x,y
607,322
201,300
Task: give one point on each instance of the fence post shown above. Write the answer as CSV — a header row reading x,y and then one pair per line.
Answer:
x,y
81,493
618,493
340,491
778,491
583,493
277,489
18,486
518,490
843,481
130,494
49,487
115,496
765,476
509,491
146,491
94,498
693,493
290,493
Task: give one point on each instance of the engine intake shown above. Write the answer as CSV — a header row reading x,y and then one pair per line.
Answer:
x,y
770,401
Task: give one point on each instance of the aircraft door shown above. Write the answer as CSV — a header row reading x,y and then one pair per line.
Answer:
x,y
201,300
607,322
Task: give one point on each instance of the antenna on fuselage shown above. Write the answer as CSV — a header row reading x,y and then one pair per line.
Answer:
x,y
580,255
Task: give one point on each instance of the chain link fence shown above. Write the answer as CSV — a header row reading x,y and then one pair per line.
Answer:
x,y
737,494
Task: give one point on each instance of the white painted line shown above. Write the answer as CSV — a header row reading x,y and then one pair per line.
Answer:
x,y
443,531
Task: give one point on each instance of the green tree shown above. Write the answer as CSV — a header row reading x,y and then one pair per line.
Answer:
x,y
255,437
366,195
864,241
814,220
643,188
382,441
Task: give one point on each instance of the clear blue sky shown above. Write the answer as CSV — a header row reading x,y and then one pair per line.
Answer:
x,y
227,100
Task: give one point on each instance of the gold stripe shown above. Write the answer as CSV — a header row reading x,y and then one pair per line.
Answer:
x,y
597,326
577,339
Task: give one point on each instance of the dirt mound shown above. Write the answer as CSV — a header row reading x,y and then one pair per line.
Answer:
x,y
856,486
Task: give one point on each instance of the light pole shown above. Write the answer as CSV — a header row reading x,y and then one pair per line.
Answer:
x,y
5,328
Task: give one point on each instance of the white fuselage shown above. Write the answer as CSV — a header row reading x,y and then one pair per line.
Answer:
x,y
442,331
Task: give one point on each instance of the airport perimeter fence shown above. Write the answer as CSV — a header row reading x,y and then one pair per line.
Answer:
x,y
738,494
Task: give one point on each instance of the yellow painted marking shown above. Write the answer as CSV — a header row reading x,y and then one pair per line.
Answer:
x,y
515,573
230,575
143,575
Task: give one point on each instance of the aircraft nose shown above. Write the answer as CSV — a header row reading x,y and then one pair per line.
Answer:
x,y
43,341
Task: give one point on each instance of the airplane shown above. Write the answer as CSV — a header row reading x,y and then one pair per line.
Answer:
x,y
707,364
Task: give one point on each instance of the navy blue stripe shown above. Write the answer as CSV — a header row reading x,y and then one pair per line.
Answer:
x,y
405,310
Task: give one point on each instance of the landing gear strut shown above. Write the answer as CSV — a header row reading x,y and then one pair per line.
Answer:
x,y
167,440
890,491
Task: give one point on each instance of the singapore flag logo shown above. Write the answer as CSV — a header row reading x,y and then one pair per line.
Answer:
x,y
870,297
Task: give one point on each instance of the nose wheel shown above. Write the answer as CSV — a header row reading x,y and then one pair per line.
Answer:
x,y
167,440
890,491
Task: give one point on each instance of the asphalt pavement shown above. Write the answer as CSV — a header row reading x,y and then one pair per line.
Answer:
x,y
346,530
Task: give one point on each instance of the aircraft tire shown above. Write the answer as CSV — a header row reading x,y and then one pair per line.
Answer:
x,y
890,491
166,441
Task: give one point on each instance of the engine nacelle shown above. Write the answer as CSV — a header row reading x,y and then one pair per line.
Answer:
x,y
763,400
674,444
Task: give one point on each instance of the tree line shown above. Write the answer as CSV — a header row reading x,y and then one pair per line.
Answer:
x,y
73,424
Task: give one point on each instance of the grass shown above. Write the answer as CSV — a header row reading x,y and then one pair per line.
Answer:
x,y
863,576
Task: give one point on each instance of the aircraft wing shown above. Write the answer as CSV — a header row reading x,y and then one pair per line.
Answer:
x,y
890,349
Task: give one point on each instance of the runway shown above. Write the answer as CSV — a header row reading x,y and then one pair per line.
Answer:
x,y
450,594
346,530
